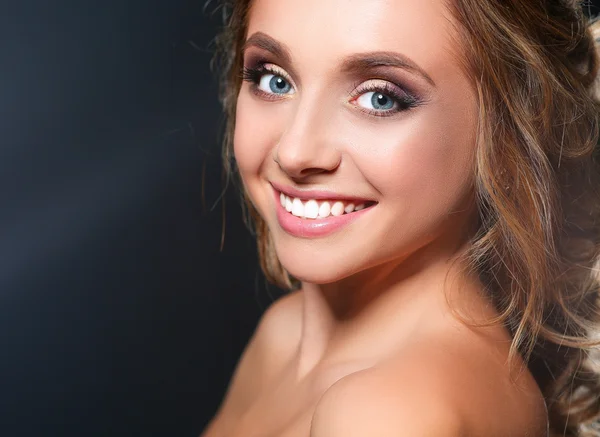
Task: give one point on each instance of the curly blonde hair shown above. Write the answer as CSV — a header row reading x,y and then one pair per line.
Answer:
x,y
534,64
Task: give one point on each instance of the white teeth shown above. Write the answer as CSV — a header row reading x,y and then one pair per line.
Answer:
x,y
337,209
324,209
311,209
297,208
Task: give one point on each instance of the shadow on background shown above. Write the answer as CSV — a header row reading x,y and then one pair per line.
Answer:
x,y
119,315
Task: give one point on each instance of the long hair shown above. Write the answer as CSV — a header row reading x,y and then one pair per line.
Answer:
x,y
534,64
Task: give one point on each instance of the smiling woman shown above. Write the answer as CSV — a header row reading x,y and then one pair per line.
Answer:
x,y
423,177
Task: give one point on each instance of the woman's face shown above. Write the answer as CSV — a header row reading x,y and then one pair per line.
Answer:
x,y
348,103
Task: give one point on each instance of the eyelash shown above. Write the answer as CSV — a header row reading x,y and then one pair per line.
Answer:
x,y
254,74
404,101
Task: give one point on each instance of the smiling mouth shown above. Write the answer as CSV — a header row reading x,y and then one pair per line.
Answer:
x,y
320,209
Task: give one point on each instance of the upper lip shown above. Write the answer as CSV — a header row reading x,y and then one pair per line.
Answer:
x,y
316,194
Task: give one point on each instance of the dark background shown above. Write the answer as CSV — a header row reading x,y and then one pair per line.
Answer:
x,y
119,314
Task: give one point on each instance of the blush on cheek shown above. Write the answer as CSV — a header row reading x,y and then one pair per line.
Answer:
x,y
242,150
439,175
247,161
247,141
256,133
418,163
253,141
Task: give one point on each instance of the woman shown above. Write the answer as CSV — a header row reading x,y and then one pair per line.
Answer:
x,y
421,175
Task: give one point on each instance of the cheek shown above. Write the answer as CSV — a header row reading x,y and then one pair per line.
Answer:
x,y
257,132
425,162
258,127
249,143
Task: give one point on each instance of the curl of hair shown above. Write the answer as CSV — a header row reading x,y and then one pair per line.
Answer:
x,y
535,67
228,62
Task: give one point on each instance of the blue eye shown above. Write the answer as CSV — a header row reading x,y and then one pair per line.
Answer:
x,y
271,83
384,99
268,81
377,100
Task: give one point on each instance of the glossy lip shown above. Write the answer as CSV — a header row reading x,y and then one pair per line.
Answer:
x,y
314,228
316,194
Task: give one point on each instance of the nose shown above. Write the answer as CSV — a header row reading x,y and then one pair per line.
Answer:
x,y
308,146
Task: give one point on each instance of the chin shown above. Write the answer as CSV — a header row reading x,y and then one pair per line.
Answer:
x,y
312,263
314,272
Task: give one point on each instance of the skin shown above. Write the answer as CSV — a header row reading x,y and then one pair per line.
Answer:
x,y
372,293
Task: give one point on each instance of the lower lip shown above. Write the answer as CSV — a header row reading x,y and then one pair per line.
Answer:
x,y
312,228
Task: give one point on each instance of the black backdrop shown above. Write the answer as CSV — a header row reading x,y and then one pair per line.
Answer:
x,y
119,314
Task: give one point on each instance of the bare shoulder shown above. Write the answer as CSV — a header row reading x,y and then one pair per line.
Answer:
x,y
496,397
280,328
369,402
272,344
435,388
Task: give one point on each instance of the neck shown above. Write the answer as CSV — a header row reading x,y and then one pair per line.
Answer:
x,y
369,313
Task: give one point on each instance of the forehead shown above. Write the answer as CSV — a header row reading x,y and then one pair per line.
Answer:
x,y
328,30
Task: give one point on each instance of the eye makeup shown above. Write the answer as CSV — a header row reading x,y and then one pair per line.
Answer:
x,y
403,100
253,75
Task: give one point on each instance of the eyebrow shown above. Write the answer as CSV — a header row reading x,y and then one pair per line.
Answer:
x,y
367,61
358,62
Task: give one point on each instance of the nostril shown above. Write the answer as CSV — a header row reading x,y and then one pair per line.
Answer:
x,y
312,171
